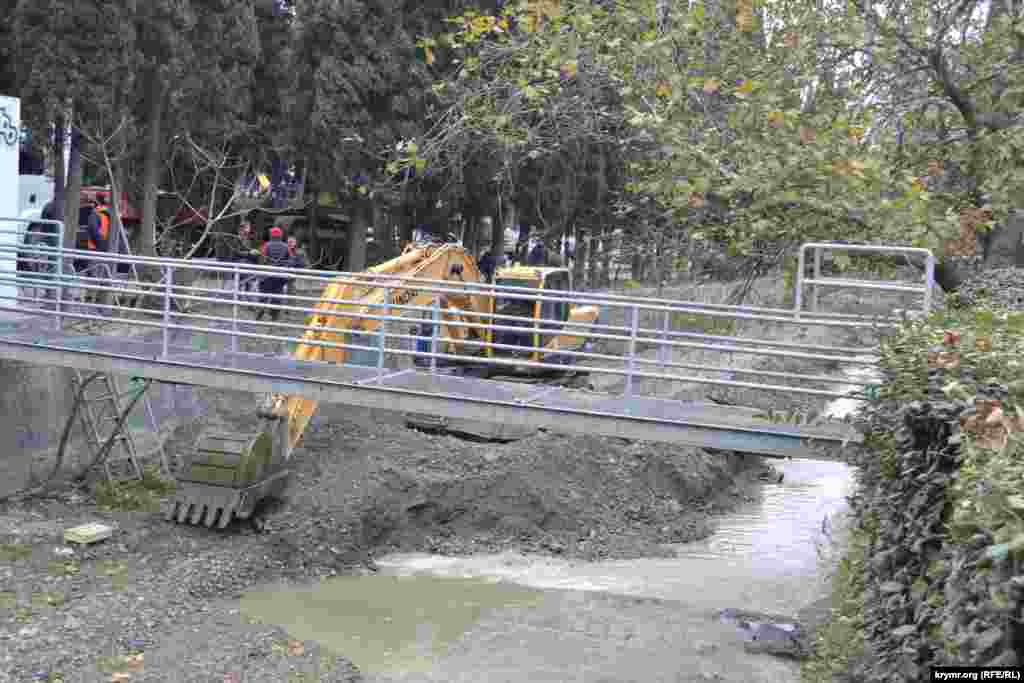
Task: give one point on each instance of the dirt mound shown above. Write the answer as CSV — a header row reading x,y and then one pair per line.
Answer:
x,y
387,488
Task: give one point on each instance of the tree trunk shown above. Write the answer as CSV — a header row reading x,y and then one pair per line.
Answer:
x,y
597,250
382,232
313,221
151,164
357,237
948,276
579,257
508,222
59,129
73,189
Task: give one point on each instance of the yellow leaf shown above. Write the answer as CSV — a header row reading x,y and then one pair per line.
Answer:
x,y
711,86
664,89
745,20
745,90
855,134
569,70
946,360
428,55
776,119
983,344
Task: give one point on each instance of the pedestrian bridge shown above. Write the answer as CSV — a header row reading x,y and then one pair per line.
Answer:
x,y
193,323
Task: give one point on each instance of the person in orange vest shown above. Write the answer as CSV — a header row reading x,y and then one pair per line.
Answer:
x,y
98,240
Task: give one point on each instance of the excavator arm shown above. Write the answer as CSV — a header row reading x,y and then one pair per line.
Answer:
x,y
333,323
229,474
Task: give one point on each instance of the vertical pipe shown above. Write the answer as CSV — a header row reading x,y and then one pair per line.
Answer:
x,y
234,311
59,277
435,331
167,308
929,283
817,276
631,358
798,295
663,350
381,336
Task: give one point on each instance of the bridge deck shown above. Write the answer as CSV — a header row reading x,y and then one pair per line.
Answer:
x,y
704,425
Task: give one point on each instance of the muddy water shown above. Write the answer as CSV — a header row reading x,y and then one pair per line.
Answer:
x,y
512,617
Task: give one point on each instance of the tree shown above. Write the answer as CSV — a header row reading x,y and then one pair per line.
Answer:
x,y
791,118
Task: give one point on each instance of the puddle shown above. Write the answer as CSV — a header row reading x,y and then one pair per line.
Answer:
x,y
386,622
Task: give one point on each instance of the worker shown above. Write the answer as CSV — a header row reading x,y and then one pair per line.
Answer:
x,y
296,259
538,255
246,253
40,265
98,241
274,253
487,266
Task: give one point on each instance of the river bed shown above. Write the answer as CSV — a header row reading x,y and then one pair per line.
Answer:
x,y
513,617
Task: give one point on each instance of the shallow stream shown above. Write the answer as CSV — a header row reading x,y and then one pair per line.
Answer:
x,y
512,617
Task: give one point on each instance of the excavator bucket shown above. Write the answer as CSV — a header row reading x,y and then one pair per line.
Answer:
x,y
225,478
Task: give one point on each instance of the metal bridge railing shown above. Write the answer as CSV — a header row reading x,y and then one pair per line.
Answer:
x,y
632,341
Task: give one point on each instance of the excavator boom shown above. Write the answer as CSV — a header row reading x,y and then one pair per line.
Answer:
x,y
229,474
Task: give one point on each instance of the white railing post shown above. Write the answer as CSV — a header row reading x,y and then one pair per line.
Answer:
x,y
929,282
58,278
436,332
381,335
663,350
798,294
234,311
631,359
167,308
817,276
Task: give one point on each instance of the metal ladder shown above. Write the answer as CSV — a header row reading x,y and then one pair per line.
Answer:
x,y
100,411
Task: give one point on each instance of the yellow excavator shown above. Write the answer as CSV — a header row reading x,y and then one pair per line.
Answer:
x,y
229,474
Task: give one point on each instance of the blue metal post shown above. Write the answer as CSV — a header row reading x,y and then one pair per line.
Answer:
x,y
167,308
234,311
381,336
436,330
631,361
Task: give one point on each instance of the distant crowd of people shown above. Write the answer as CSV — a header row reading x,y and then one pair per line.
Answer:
x,y
276,252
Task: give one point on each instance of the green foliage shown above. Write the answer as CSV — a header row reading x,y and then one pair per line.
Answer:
x,y
788,129
144,494
15,552
841,641
705,324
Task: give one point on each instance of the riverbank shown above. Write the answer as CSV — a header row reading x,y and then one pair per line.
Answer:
x,y
930,575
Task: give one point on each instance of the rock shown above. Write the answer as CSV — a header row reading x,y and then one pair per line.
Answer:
x,y
892,587
774,640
